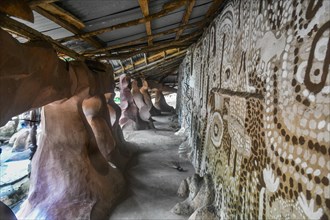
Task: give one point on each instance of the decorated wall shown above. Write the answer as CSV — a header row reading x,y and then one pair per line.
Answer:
x,y
255,104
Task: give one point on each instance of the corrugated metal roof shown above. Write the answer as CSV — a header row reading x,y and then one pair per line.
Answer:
x,y
98,14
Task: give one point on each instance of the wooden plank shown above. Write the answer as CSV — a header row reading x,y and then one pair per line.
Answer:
x,y
65,24
186,16
11,24
148,60
141,49
156,63
144,5
33,3
63,14
145,58
213,8
143,20
17,8
143,39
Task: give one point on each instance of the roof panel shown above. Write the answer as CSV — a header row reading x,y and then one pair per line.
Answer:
x,y
97,10
46,26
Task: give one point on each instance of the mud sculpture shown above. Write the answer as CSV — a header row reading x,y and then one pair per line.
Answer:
x,y
70,178
147,99
31,75
200,197
259,90
86,185
142,106
124,150
96,112
160,102
130,118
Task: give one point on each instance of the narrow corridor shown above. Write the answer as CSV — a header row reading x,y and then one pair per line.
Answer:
x,y
152,182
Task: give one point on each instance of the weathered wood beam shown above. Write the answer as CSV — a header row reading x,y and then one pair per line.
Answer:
x,y
132,62
213,8
67,25
17,8
143,39
11,24
33,3
144,5
186,16
148,60
63,14
145,58
143,20
156,63
184,41
164,64
122,66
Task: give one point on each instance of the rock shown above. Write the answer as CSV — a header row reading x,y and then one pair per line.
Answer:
x,y
20,140
206,212
8,130
183,190
201,195
24,155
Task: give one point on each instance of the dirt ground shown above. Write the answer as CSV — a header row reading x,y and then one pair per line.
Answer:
x,y
152,182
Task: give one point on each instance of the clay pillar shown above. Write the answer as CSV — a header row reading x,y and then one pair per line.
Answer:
x,y
70,179
142,106
130,118
115,113
147,99
31,75
160,102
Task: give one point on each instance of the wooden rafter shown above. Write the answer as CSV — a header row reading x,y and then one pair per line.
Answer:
x,y
185,19
62,14
66,24
144,5
143,20
183,42
145,58
213,8
150,60
156,63
20,28
33,3
143,39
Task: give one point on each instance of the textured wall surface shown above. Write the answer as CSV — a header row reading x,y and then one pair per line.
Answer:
x,y
256,108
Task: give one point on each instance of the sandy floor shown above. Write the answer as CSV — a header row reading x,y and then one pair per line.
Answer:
x,y
152,181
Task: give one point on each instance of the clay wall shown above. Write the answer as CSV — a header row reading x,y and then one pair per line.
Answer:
x,y
254,100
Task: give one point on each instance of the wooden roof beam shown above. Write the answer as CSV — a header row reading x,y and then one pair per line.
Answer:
x,y
20,28
185,19
213,8
156,63
145,58
184,41
62,14
143,20
33,3
150,59
67,25
143,39
144,5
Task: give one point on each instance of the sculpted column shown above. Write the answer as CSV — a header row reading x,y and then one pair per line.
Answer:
x,y
70,178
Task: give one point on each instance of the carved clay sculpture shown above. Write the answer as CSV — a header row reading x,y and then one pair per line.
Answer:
x,y
86,186
70,179
147,99
200,196
130,113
